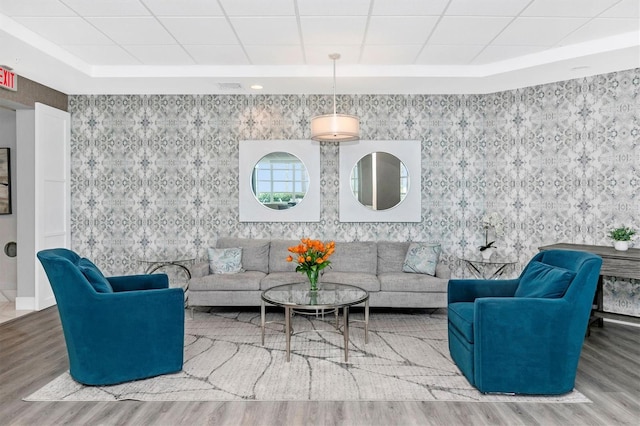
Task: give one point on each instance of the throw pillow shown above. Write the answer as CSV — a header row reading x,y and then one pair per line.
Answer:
x,y
94,276
225,260
544,281
421,258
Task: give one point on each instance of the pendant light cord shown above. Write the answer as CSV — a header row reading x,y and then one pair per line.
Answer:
x,y
334,57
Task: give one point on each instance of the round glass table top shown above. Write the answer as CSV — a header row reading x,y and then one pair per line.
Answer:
x,y
328,295
494,260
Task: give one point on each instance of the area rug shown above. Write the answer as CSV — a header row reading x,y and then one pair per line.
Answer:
x,y
405,358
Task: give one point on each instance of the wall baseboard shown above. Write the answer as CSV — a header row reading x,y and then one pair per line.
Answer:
x,y
25,303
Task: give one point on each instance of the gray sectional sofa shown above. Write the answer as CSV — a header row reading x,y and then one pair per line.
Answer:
x,y
373,266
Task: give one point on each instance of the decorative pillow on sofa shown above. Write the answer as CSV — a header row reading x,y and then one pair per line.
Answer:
x,y
94,276
225,260
421,258
544,281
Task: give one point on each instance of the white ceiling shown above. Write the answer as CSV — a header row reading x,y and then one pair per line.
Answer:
x,y
387,46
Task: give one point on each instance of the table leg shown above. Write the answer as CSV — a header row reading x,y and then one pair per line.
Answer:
x,y
287,330
345,331
366,321
262,319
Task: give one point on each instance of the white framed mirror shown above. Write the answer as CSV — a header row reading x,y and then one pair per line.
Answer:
x,y
279,181
380,181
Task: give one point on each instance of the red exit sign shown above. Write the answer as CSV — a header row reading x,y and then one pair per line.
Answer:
x,y
8,79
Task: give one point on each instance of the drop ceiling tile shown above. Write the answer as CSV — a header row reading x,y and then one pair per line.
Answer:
x,y
183,7
225,54
102,55
107,7
333,30
495,53
258,7
467,29
131,31
333,7
319,54
538,31
408,7
486,7
34,8
65,30
267,30
399,54
200,30
624,9
275,55
156,54
400,29
600,28
568,8
446,54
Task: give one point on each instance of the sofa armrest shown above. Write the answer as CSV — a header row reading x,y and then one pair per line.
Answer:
x,y
199,270
469,290
443,271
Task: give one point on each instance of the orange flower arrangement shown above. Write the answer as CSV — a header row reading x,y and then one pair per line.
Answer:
x,y
312,256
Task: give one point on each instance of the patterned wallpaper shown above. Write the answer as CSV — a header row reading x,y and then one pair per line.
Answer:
x,y
158,175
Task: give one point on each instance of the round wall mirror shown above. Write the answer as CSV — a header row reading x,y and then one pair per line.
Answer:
x,y
279,181
379,181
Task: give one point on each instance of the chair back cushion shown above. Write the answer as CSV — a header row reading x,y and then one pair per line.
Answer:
x,y
544,281
94,276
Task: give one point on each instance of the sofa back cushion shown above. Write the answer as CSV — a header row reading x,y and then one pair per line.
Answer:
x,y
255,253
278,256
355,257
544,281
391,256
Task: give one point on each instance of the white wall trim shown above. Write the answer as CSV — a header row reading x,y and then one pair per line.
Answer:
x,y
25,303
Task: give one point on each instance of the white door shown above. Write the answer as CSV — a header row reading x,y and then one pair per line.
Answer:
x,y
52,191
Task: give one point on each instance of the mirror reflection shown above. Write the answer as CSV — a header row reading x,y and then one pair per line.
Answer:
x,y
279,180
380,181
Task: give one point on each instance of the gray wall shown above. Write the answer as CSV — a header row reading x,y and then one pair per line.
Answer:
x,y
8,224
159,174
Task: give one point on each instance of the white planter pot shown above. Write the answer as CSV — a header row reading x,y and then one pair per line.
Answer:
x,y
621,245
487,253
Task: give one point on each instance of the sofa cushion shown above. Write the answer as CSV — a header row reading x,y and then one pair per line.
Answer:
x,y
401,281
355,257
281,278
278,256
225,260
95,277
544,281
248,280
421,258
363,280
391,256
460,315
255,253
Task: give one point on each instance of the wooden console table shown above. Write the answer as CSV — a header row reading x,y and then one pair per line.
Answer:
x,y
615,263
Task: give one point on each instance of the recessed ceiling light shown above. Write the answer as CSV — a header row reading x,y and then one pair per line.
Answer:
x,y
256,87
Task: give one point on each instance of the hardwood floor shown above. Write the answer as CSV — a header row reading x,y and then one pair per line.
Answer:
x,y
32,352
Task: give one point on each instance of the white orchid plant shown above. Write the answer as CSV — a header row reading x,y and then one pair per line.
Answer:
x,y
491,220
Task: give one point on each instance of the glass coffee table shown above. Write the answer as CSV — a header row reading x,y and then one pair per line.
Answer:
x,y
329,297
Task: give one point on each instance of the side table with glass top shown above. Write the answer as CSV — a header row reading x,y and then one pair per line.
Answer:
x,y
488,269
328,297
153,265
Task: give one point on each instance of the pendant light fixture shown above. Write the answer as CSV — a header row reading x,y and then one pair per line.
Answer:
x,y
335,127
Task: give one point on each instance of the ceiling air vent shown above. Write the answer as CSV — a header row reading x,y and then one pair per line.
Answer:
x,y
229,86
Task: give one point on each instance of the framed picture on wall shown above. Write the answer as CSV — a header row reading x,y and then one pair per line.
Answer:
x,y
5,181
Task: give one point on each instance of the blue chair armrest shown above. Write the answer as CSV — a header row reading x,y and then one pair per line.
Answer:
x,y
138,282
470,290
536,335
147,325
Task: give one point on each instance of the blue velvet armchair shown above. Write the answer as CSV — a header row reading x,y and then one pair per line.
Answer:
x,y
117,329
524,335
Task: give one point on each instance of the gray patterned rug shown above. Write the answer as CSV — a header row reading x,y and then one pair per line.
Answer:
x,y
406,358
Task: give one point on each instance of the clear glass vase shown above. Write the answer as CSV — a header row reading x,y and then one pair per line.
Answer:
x,y
312,274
